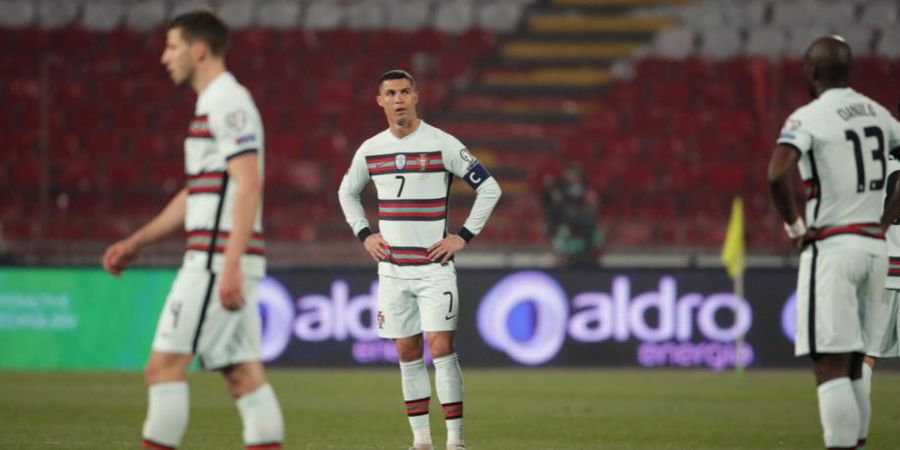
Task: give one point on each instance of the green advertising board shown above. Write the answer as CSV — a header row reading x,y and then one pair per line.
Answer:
x,y
79,319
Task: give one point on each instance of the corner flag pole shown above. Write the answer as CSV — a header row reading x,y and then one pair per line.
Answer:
x,y
734,261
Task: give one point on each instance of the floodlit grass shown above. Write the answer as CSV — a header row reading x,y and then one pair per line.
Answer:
x,y
505,409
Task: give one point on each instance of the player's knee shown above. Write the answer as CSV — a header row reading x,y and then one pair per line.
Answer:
x,y
441,345
830,367
244,379
159,373
410,353
410,348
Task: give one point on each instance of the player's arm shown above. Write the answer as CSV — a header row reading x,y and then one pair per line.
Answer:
x,y
352,184
781,189
122,253
892,204
487,194
243,170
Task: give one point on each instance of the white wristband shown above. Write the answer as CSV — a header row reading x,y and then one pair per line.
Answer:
x,y
795,230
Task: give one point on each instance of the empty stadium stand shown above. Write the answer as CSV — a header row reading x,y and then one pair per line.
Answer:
x,y
671,105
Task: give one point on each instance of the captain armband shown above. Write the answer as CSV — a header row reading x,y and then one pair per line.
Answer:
x,y
476,175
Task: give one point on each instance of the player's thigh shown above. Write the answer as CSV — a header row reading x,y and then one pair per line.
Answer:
x,y
229,337
839,280
438,300
184,310
882,327
398,313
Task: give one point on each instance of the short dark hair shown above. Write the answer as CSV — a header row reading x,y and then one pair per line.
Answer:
x,y
396,74
204,26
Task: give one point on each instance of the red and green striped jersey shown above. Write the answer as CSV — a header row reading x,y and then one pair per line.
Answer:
x,y
226,124
412,176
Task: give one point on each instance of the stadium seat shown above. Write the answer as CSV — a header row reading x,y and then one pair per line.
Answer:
x,y
879,14
408,15
500,16
720,43
747,13
684,135
799,39
17,14
366,15
703,15
122,174
53,15
454,17
146,15
888,43
674,43
238,14
323,15
280,15
27,172
102,15
770,43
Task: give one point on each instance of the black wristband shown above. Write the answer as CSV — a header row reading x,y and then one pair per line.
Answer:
x,y
363,234
466,234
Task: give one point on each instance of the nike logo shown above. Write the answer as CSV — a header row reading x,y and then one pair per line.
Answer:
x,y
449,317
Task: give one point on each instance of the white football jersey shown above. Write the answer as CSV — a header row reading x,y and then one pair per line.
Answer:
x,y
412,177
843,138
226,124
893,232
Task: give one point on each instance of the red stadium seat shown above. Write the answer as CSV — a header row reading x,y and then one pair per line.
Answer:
x,y
27,172
669,148
78,175
429,41
122,174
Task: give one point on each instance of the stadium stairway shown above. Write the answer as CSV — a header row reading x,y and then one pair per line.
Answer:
x,y
528,106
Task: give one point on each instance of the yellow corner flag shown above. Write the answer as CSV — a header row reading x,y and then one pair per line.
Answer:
x,y
733,248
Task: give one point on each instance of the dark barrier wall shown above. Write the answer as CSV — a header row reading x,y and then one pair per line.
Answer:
x,y
85,319
652,318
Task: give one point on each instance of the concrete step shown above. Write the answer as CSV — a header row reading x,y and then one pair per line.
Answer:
x,y
574,23
537,50
553,76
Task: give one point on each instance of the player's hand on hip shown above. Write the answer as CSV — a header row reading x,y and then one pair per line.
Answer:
x,y
377,247
801,242
446,248
119,255
231,292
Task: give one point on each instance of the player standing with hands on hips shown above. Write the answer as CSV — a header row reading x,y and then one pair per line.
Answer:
x,y
211,310
840,141
412,165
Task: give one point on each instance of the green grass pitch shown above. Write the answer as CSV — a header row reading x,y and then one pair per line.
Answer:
x,y
505,410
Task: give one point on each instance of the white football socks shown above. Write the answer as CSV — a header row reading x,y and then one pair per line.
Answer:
x,y
167,413
839,413
448,382
863,389
261,416
417,395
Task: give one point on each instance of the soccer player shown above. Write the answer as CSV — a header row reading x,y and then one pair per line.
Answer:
x,y
840,143
889,342
412,165
211,310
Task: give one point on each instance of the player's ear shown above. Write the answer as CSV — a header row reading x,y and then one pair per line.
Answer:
x,y
380,100
199,50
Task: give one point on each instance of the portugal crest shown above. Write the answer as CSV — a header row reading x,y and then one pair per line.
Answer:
x,y
400,162
423,162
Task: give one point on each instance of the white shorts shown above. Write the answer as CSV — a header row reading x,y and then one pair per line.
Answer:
x,y
409,307
885,336
840,296
193,321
